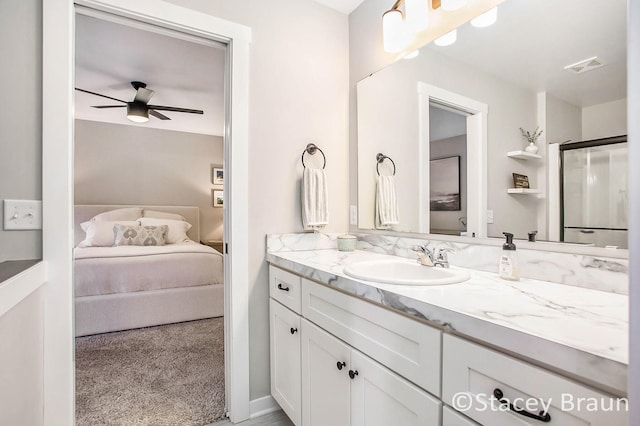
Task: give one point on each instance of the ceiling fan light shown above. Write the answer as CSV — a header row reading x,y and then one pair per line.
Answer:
x,y
451,5
137,112
488,18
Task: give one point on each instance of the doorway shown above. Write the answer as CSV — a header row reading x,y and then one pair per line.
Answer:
x,y
59,28
474,115
149,124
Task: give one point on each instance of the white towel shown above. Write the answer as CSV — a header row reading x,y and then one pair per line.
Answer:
x,y
315,199
386,203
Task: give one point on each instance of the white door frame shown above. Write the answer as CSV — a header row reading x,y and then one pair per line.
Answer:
x,y
476,155
57,189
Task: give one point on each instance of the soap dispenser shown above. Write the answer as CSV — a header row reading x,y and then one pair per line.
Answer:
x,y
509,269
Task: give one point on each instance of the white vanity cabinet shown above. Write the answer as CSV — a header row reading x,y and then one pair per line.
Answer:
x,y
484,377
285,361
341,387
320,379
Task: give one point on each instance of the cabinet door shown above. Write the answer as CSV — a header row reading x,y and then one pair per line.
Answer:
x,y
285,359
380,397
325,378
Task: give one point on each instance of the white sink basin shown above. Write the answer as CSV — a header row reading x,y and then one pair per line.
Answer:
x,y
404,271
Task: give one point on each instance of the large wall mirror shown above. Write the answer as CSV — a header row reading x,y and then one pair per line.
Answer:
x,y
448,125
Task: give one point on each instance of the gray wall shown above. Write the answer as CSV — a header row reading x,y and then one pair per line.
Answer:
x,y
21,118
299,88
117,164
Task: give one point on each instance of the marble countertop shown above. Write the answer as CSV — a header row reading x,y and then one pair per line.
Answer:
x,y
579,332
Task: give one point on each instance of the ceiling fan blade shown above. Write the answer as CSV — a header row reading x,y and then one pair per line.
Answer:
x,y
156,114
143,95
98,94
175,109
108,106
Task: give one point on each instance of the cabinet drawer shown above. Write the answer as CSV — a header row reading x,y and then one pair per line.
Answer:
x,y
475,372
285,288
451,417
409,348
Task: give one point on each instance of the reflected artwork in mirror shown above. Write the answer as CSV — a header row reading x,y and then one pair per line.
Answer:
x,y
555,65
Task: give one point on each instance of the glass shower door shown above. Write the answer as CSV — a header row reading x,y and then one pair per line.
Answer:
x,y
595,192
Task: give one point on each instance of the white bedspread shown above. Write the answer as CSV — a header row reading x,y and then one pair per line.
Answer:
x,y
124,269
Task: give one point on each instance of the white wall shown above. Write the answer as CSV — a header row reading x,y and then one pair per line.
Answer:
x,y
604,120
21,118
118,164
21,363
298,94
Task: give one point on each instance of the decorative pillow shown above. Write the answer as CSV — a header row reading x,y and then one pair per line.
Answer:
x,y
139,235
161,215
127,213
101,233
177,232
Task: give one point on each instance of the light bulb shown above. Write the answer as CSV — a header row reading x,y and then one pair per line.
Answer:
x,y
392,31
417,14
447,39
412,55
488,18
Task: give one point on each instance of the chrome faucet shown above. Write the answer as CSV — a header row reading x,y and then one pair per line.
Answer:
x,y
442,257
427,258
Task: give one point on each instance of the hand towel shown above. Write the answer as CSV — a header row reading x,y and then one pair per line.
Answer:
x,y
315,199
386,203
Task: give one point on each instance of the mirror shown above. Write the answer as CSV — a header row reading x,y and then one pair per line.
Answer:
x,y
495,80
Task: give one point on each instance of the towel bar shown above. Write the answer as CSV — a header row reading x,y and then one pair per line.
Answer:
x,y
380,158
311,150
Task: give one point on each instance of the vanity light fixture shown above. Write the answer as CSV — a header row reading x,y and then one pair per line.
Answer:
x,y
488,18
447,40
451,5
137,112
392,30
417,14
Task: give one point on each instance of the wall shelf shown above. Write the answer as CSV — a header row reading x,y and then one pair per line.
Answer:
x,y
523,191
523,155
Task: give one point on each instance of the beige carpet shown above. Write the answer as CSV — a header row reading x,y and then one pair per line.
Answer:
x,y
166,375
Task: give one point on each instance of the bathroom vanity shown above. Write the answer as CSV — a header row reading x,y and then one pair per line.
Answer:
x,y
350,352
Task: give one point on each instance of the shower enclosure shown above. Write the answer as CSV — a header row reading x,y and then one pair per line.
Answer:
x,y
594,192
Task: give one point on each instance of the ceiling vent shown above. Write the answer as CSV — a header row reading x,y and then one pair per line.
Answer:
x,y
584,66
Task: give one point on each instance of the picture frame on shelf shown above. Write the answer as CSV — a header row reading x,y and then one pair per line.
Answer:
x,y
217,175
217,196
520,181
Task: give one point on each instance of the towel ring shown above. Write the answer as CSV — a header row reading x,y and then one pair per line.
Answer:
x,y
380,158
311,150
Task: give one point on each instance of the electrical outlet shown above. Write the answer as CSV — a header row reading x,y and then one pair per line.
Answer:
x,y
489,216
22,214
353,215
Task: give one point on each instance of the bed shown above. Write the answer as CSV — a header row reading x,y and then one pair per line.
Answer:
x,y
132,286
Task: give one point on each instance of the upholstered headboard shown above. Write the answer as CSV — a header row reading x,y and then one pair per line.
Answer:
x,y
84,212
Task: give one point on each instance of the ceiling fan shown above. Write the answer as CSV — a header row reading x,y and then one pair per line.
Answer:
x,y
138,110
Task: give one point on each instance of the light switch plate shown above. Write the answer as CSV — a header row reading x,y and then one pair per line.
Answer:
x,y
489,216
22,215
353,215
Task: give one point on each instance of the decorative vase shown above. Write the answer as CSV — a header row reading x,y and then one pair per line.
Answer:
x,y
532,148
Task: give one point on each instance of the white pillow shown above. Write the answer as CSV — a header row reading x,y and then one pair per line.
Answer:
x,y
161,215
177,228
101,233
127,213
